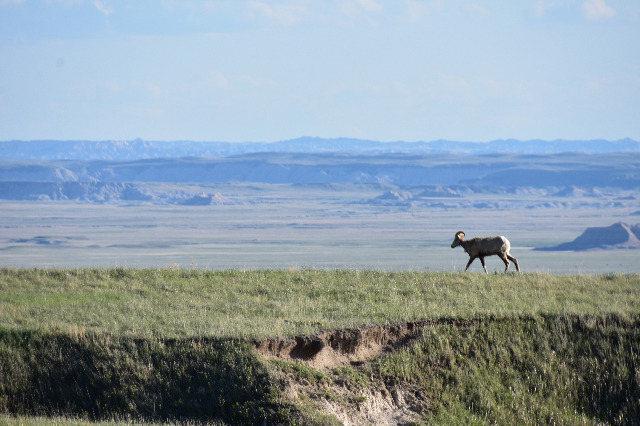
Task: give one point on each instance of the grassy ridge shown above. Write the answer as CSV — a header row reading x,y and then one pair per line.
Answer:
x,y
562,369
102,377
166,345
148,303
550,369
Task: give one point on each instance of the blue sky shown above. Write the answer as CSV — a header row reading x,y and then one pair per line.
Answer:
x,y
250,70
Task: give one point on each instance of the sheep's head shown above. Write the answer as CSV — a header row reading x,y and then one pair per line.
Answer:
x,y
458,239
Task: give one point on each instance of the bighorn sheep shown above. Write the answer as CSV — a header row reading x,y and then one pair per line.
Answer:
x,y
485,246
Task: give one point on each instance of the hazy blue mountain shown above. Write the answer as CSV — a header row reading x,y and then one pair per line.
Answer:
x,y
509,170
140,149
79,191
110,171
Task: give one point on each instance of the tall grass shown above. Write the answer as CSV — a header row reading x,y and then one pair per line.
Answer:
x,y
106,377
551,369
270,303
8,420
175,345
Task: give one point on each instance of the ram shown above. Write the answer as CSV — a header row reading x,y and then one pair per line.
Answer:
x,y
481,247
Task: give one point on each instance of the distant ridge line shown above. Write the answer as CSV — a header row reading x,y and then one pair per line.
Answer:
x,y
617,236
143,149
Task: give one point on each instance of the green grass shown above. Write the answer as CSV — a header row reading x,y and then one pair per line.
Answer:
x,y
163,345
104,376
8,420
149,303
558,369
545,369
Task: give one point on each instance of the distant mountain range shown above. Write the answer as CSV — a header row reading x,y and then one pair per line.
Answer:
x,y
412,173
140,149
619,170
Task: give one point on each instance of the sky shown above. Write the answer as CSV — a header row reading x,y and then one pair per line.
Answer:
x,y
263,71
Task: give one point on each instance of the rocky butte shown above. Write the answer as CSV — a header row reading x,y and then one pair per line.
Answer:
x,y
617,236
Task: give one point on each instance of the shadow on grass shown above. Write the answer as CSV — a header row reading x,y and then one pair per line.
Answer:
x,y
105,377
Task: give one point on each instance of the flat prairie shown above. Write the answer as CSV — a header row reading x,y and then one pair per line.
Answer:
x,y
311,226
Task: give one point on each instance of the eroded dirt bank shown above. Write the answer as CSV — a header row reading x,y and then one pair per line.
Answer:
x,y
462,370
350,403
331,348
328,349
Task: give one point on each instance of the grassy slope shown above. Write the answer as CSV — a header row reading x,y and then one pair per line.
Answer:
x,y
552,369
165,344
257,304
549,369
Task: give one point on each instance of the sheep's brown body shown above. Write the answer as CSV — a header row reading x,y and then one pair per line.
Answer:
x,y
481,247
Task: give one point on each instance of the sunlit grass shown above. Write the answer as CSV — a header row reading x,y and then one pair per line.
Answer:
x,y
559,369
270,303
534,348
65,421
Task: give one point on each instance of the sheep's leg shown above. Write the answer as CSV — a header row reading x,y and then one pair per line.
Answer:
x,y
506,262
515,261
483,265
471,259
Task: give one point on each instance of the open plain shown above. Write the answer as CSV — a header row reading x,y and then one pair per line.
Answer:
x,y
311,226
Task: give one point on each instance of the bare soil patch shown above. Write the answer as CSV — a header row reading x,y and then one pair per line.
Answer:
x,y
329,349
378,402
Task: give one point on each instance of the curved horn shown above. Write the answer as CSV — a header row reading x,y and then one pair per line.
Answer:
x,y
459,234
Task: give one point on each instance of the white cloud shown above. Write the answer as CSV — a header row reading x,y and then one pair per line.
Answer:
x,y
369,6
156,92
283,13
217,80
357,7
478,11
595,10
454,83
543,7
103,8
416,10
